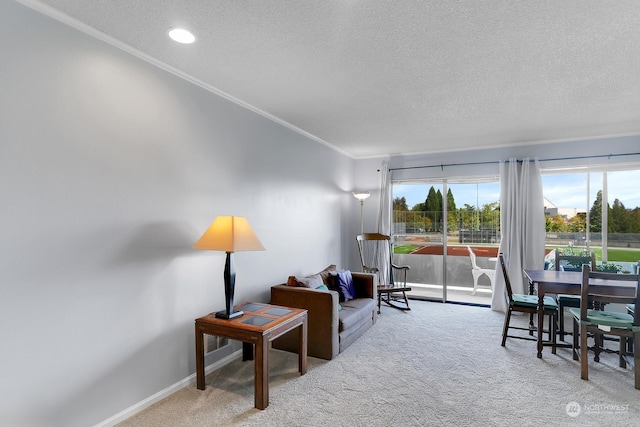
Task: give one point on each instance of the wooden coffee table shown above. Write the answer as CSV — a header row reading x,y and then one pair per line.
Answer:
x,y
260,324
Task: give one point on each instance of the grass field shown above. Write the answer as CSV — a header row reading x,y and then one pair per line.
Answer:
x,y
404,249
619,254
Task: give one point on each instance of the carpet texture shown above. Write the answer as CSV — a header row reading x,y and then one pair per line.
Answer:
x,y
436,365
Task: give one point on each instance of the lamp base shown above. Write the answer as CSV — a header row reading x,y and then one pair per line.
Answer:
x,y
232,315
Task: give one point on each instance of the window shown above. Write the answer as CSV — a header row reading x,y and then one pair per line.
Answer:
x,y
587,207
594,211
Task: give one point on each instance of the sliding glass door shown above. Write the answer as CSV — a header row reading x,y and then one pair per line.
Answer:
x,y
448,232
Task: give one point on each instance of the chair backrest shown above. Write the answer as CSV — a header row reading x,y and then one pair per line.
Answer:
x,y
575,262
507,283
472,255
587,294
375,255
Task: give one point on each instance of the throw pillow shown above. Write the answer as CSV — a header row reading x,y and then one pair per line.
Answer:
x,y
310,281
324,274
346,288
327,273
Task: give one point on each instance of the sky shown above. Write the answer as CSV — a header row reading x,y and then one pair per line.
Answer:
x,y
563,190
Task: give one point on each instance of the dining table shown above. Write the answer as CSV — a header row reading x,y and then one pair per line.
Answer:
x,y
569,282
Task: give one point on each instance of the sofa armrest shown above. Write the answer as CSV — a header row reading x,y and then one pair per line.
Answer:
x,y
322,318
366,285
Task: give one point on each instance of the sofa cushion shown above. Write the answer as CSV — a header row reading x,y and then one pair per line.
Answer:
x,y
344,285
325,275
310,281
354,312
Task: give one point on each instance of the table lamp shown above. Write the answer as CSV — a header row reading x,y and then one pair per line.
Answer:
x,y
230,234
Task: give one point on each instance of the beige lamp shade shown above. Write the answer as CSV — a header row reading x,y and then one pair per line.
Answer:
x,y
229,234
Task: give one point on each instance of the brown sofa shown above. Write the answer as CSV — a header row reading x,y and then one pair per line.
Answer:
x,y
330,330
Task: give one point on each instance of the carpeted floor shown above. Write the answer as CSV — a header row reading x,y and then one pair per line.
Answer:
x,y
437,365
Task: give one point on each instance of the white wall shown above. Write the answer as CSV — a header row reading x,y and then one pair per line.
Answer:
x,y
110,169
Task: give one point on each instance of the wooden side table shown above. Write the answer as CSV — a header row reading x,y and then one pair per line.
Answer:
x,y
261,324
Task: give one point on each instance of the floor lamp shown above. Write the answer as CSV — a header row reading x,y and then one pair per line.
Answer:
x,y
229,234
361,196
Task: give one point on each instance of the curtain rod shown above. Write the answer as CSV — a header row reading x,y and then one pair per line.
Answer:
x,y
442,166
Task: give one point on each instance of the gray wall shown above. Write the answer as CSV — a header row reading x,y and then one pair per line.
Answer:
x,y
110,170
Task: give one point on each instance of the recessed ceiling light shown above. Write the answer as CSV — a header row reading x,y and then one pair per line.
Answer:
x,y
181,35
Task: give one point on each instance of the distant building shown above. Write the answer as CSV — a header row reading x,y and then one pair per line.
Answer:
x,y
567,213
549,208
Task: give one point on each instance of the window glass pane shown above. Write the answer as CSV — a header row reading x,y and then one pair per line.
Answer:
x,y
565,206
418,235
621,249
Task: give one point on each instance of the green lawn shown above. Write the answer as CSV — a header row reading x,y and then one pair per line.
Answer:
x,y
619,254
614,254
404,249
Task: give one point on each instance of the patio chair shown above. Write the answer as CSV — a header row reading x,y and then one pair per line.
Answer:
x,y
600,323
376,248
570,262
477,271
521,303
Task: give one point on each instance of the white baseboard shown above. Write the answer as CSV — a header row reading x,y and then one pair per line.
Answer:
x,y
134,409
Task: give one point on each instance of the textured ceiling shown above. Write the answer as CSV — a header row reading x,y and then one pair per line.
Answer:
x,y
374,77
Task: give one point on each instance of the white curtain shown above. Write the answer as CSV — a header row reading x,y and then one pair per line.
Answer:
x,y
522,226
384,221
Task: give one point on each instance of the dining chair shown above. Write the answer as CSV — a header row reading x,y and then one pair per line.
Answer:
x,y
631,309
599,323
522,303
573,263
